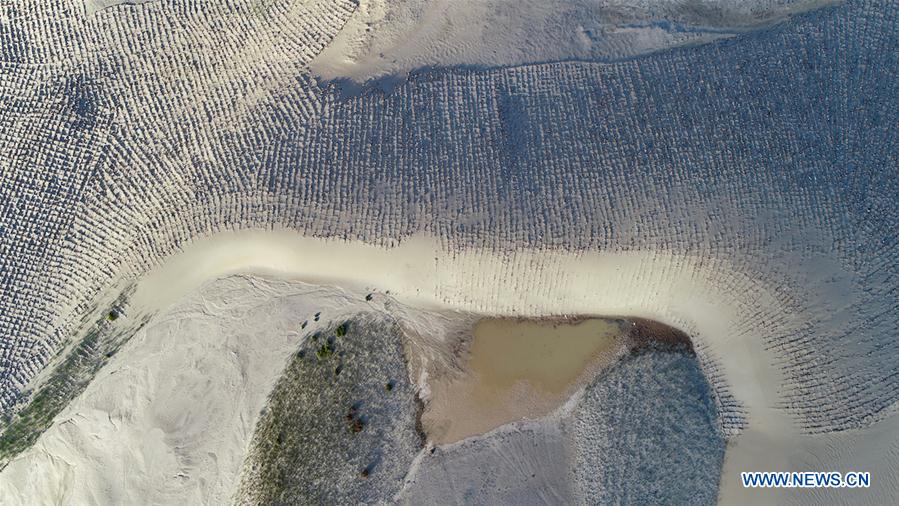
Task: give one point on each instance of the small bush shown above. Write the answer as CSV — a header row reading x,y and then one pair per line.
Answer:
x,y
325,351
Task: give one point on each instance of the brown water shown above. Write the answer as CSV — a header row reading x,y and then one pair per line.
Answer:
x,y
518,369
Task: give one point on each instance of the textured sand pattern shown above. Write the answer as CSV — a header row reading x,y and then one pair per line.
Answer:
x,y
757,172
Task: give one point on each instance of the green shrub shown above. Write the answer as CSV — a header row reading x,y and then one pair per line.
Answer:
x,y
325,351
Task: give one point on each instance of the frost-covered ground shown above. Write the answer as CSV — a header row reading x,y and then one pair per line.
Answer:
x,y
342,425
643,432
251,377
388,39
169,418
743,190
647,432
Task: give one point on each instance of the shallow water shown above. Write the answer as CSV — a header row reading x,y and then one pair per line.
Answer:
x,y
549,355
518,369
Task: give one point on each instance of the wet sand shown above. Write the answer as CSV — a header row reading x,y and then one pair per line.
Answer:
x,y
519,369
649,333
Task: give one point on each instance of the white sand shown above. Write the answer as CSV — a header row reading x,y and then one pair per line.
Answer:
x,y
231,380
93,6
168,420
719,307
394,37
668,288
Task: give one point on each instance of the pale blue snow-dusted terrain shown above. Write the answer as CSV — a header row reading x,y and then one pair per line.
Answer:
x,y
754,150
643,432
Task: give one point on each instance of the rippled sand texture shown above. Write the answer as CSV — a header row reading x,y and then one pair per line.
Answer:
x,y
761,162
742,190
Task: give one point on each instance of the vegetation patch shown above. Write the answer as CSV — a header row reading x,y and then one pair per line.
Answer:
x,y
332,434
325,351
66,382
